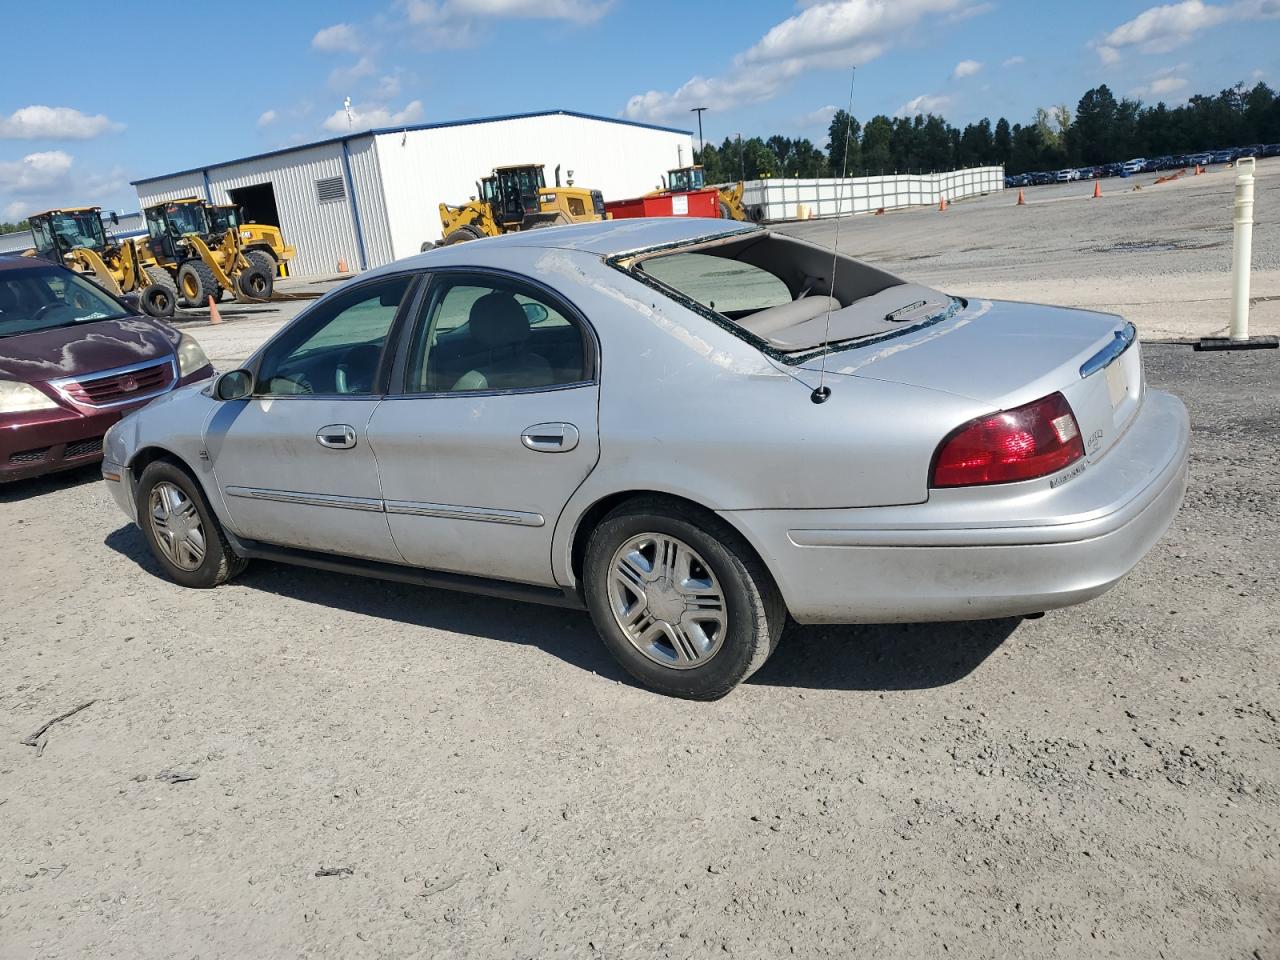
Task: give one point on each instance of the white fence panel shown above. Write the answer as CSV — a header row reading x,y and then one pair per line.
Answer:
x,y
782,199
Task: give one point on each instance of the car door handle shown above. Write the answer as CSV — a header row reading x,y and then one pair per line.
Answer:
x,y
337,436
550,437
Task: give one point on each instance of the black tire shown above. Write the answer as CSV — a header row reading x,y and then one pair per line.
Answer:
x,y
196,284
725,212
427,245
263,259
462,235
754,611
220,564
255,283
160,296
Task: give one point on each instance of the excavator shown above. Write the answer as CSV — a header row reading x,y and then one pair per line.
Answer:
x,y
518,198
76,238
687,179
203,261
262,243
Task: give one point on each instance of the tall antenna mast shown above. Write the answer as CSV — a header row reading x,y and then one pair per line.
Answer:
x,y
822,391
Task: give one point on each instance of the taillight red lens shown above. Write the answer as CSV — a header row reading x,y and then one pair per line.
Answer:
x,y
1020,444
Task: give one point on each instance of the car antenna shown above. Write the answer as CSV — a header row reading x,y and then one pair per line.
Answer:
x,y
822,391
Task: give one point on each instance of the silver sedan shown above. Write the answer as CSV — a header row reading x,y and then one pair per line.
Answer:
x,y
691,428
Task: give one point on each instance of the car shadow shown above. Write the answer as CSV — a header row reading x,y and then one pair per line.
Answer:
x,y
19,490
883,656
876,657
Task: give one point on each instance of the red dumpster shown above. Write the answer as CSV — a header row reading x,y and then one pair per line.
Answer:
x,y
693,203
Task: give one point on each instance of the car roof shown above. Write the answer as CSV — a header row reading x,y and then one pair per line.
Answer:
x,y
16,261
605,238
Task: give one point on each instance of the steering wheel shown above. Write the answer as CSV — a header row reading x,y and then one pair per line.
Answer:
x,y
357,369
50,307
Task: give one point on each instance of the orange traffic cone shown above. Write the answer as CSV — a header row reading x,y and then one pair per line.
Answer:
x,y
879,211
942,205
1199,170
1022,200
1097,189
342,264
214,316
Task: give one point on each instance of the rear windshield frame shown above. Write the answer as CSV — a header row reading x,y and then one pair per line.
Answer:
x,y
626,263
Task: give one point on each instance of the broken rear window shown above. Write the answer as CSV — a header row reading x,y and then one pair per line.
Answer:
x,y
778,290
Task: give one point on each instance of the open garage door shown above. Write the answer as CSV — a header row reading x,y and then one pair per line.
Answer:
x,y
257,203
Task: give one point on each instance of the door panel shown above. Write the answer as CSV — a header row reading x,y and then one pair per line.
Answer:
x,y
284,484
465,493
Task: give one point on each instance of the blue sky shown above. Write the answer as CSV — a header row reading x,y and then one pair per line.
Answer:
x,y
117,100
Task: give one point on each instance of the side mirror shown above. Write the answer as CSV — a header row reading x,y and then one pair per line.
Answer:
x,y
233,385
115,218
133,302
534,312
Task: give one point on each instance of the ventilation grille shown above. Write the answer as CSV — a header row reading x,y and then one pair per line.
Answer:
x,y
330,190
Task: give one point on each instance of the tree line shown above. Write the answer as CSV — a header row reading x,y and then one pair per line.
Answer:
x,y
1102,129
6,227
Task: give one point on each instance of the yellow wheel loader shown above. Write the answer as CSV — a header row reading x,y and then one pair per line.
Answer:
x,y
518,198
76,238
203,262
262,243
685,179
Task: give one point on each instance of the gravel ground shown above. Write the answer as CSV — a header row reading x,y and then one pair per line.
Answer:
x,y
475,777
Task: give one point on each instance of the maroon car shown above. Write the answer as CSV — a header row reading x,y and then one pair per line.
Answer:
x,y
73,361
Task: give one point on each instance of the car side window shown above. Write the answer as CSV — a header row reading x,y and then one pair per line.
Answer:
x,y
336,348
487,333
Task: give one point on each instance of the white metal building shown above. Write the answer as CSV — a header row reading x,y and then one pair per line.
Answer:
x,y
371,197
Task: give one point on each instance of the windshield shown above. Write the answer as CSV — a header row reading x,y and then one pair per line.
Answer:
x,y
222,219
43,297
686,178
186,218
82,229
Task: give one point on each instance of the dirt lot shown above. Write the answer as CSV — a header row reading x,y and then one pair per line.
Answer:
x,y
483,781
1101,782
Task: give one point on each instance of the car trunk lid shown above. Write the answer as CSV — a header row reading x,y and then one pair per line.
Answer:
x,y
1007,354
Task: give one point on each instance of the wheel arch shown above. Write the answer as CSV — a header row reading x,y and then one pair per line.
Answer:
x,y
591,517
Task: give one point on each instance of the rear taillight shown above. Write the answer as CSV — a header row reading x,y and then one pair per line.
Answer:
x,y
1020,444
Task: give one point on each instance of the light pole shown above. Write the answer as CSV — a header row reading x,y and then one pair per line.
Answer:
x,y
742,161
698,111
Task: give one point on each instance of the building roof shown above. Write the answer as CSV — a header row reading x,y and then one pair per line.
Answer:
x,y
374,131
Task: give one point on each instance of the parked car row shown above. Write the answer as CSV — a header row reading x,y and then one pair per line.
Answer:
x,y
1142,165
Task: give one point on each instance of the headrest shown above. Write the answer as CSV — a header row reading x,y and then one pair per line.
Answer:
x,y
8,299
498,320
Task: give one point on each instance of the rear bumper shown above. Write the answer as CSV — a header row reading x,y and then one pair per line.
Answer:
x,y
968,555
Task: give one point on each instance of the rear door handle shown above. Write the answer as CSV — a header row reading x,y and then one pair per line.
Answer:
x,y
550,437
337,436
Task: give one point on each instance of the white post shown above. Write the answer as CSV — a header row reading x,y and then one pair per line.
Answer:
x,y
1242,252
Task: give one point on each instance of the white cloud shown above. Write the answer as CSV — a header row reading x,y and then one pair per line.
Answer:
x,y
819,119
966,68
377,115
388,87
925,103
1163,83
457,23
341,77
1014,61
833,35
341,37
1164,28
41,180
267,118
61,123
